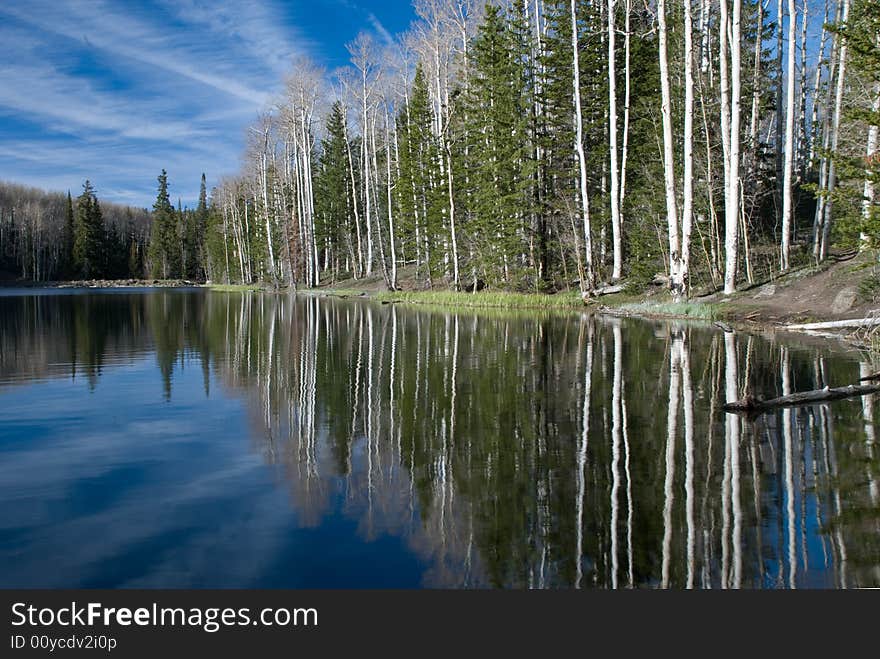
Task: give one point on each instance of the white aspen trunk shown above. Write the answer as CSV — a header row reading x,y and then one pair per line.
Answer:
x,y
802,135
675,282
715,238
463,29
756,86
391,235
368,270
304,219
288,173
780,108
687,209
587,282
359,269
616,229
266,212
399,180
226,239
789,141
452,232
870,154
300,210
375,185
819,216
705,46
624,151
724,79
305,128
446,147
247,251
817,79
731,233
835,135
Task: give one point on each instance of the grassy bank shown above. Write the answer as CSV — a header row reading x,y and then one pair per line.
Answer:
x,y
485,299
695,310
622,303
236,288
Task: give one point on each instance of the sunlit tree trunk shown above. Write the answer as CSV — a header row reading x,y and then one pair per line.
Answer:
x,y
675,274
835,136
870,154
732,198
616,228
687,208
788,166
587,281
392,237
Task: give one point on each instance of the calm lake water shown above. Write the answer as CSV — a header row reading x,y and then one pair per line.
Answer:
x,y
197,439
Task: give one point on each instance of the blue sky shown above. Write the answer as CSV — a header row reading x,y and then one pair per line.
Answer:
x,y
115,91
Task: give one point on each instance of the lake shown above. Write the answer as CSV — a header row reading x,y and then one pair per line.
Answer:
x,y
187,438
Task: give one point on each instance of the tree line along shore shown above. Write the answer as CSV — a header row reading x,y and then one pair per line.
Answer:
x,y
548,147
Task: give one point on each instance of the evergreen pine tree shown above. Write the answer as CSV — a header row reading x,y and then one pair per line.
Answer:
x,y
332,195
421,190
195,236
500,160
162,238
88,244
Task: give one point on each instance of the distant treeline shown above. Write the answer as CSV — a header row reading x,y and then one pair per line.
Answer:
x,y
53,236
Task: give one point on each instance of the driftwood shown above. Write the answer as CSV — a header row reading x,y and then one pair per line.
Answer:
x,y
607,290
604,290
837,324
752,405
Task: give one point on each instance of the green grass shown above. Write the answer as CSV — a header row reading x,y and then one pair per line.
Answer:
x,y
236,288
570,300
336,292
699,311
493,299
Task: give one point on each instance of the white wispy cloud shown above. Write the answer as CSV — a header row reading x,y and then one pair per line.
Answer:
x,y
132,38
380,29
256,28
68,104
115,91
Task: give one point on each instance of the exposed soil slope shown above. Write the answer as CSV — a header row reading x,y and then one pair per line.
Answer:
x,y
835,291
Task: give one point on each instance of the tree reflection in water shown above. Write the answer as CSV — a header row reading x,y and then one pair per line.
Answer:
x,y
515,450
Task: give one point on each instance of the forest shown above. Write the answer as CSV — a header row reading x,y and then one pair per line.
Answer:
x,y
52,237
47,236
537,145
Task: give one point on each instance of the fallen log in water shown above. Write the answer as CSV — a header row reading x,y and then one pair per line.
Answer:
x,y
752,405
837,324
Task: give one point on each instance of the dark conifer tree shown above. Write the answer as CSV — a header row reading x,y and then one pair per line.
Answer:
x,y
332,190
88,244
162,238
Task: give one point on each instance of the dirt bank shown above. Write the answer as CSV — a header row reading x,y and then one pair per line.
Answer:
x,y
838,290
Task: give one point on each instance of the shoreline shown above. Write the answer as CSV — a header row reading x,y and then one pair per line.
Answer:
x,y
737,311
104,283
